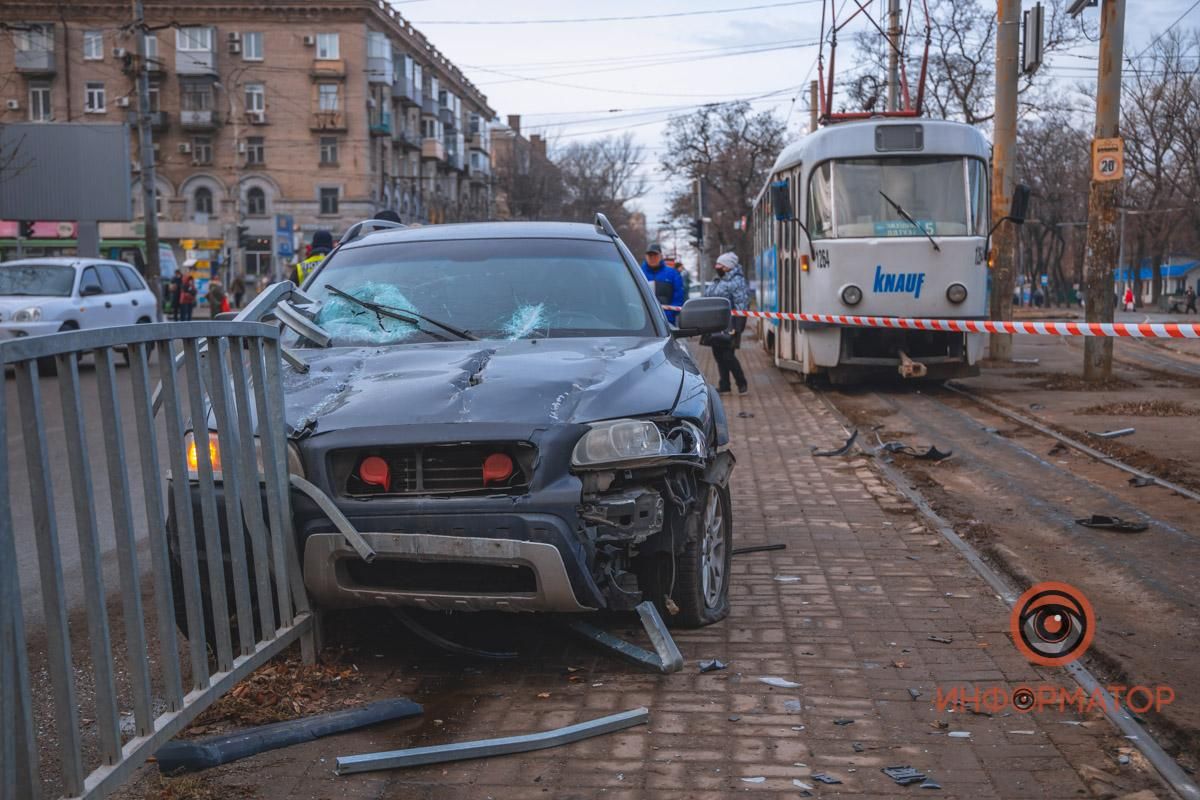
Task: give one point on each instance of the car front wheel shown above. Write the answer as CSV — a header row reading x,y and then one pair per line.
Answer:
x,y
702,577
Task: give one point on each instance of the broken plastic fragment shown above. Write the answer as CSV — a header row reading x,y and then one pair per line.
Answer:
x,y
757,779
712,665
823,778
959,734
778,683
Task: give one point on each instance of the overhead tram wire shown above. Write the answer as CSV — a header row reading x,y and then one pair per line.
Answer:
x,y
626,18
1167,30
575,62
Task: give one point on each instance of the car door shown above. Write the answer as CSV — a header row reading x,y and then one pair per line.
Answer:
x,y
140,298
95,307
116,295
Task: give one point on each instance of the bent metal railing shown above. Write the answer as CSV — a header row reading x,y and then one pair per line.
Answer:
x,y
230,377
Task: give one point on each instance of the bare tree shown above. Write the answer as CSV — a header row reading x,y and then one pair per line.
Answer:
x,y
603,175
731,149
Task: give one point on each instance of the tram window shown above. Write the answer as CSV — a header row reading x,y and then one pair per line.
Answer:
x,y
820,202
931,190
980,202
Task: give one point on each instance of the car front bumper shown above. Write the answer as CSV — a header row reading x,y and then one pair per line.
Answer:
x,y
17,330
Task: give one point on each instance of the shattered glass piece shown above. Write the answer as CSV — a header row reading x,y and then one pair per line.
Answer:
x,y
525,320
792,706
778,683
343,320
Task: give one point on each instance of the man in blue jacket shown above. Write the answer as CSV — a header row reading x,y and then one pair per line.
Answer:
x,y
664,280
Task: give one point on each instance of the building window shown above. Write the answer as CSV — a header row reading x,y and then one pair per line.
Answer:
x,y
256,150
155,98
252,46
256,98
256,202
327,47
40,109
194,40
327,97
202,150
329,200
196,97
93,45
38,38
151,45
329,150
203,201
93,98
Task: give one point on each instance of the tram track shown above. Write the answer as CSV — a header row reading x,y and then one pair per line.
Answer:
x,y
1012,496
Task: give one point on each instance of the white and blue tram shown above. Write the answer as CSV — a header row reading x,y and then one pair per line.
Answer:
x,y
881,217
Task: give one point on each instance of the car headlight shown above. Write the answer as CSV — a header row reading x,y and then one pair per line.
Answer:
x,y
31,314
624,441
956,293
851,295
214,455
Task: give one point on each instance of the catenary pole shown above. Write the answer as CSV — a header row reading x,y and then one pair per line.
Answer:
x,y
1008,21
146,148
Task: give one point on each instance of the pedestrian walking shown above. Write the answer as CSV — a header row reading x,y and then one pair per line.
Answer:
x,y
1129,299
173,297
1191,300
666,283
238,289
730,284
187,298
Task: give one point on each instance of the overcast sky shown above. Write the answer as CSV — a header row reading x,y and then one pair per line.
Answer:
x,y
579,79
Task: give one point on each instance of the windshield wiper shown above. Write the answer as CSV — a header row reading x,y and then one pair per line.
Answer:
x,y
906,215
404,315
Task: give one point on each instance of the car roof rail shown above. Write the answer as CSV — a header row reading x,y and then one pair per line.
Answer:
x,y
604,226
366,227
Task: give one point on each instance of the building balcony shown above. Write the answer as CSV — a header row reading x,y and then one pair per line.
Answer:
x,y
381,124
433,150
402,90
447,117
479,174
328,69
159,120
34,62
198,120
328,121
405,139
429,107
476,142
379,69
195,62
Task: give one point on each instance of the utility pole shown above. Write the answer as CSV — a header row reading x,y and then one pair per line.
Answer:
x,y
1102,244
1004,144
146,149
893,35
814,113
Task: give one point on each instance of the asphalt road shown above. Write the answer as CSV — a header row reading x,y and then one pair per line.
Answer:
x,y
60,459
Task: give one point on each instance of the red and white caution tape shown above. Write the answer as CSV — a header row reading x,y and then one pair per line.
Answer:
x,y
1143,330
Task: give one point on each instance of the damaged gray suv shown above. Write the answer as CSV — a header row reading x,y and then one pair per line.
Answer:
x,y
504,415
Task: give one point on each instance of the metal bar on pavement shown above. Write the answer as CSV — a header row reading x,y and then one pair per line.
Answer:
x,y
275,509
75,428
252,496
348,765
234,454
218,601
123,533
184,521
50,580
156,532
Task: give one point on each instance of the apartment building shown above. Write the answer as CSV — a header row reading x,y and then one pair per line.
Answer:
x,y
316,113
526,183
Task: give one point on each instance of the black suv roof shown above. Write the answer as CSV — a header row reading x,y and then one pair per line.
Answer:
x,y
484,230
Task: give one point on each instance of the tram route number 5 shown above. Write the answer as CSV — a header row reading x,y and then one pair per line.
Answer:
x,y
1108,159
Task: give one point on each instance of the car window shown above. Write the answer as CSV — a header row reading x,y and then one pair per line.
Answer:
x,y
36,280
110,279
132,280
90,278
493,288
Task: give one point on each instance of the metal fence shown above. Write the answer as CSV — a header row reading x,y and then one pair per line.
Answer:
x,y
225,373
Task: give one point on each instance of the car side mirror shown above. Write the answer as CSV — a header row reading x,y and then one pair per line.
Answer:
x,y
90,290
703,315
1020,204
781,203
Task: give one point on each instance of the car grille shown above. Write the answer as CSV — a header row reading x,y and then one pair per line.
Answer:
x,y
434,469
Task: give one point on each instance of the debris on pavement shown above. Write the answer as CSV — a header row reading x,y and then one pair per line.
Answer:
x,y
801,785
841,451
959,734
190,755
1057,449
1138,481
931,784
792,706
932,454
939,725
914,694
904,775
437,754
756,779
712,665
823,778
1026,360
666,658
778,683
942,639
858,747
758,548
746,414
787,578
1109,523
843,722
1111,434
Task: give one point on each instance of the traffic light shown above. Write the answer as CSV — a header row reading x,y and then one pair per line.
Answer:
x,y
26,229
696,232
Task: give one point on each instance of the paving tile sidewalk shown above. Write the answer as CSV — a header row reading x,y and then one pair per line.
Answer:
x,y
846,612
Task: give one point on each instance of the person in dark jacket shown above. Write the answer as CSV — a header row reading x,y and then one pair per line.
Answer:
x,y
187,298
238,289
730,284
173,296
665,281
322,245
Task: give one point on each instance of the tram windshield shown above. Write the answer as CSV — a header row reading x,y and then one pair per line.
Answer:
x,y
944,195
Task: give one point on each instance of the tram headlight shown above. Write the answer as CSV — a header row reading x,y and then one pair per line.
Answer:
x,y
956,293
851,295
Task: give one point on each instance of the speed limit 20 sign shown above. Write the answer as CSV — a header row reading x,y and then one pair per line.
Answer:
x,y
1108,159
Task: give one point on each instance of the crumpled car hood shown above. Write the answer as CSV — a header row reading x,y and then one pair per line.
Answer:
x,y
536,381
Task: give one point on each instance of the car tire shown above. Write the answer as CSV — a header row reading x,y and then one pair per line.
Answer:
x,y
125,358
48,366
700,575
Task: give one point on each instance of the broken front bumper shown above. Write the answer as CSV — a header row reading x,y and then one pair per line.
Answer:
x,y
336,576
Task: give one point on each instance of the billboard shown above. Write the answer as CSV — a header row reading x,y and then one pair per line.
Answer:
x,y
65,171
